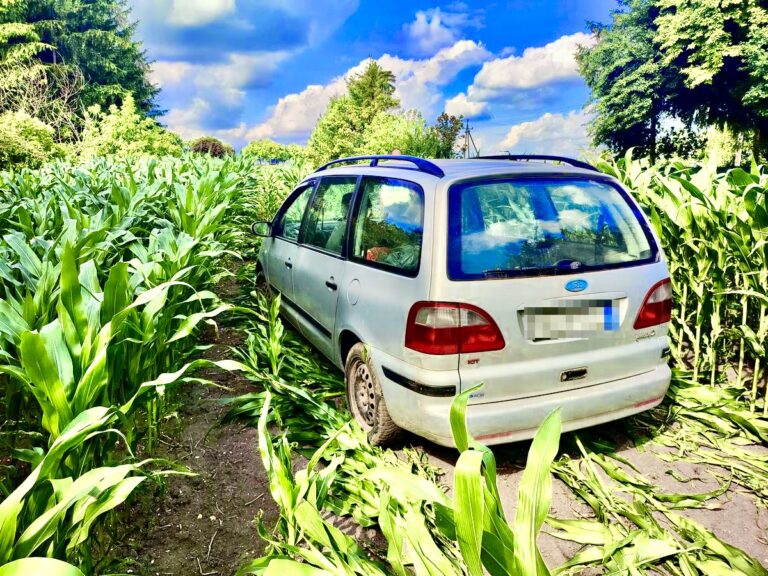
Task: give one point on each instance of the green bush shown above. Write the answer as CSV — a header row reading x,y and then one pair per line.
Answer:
x,y
212,147
25,141
270,150
122,131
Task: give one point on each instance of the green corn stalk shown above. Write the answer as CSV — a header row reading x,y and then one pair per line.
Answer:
x,y
104,282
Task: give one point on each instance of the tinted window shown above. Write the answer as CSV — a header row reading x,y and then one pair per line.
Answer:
x,y
542,226
327,221
289,224
389,226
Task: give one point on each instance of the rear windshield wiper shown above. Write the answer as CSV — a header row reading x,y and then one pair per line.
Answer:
x,y
568,265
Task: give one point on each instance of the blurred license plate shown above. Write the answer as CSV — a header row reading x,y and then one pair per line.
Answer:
x,y
575,319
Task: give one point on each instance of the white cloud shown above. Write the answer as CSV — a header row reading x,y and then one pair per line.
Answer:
x,y
227,81
434,29
501,78
564,135
296,114
199,12
167,74
417,86
186,121
460,105
428,33
536,66
214,94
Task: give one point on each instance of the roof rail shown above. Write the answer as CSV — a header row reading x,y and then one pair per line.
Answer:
x,y
421,165
542,157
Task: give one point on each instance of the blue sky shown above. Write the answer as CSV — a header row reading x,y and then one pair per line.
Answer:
x,y
248,69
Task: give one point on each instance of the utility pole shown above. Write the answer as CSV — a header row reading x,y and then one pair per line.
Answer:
x,y
469,140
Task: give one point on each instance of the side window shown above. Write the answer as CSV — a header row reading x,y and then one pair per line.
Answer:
x,y
329,212
389,227
289,224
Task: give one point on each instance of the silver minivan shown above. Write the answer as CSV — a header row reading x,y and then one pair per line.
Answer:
x,y
536,276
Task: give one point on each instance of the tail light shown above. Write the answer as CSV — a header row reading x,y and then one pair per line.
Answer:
x,y
657,307
441,328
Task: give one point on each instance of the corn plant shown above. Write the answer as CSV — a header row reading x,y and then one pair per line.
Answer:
x,y
427,533
105,277
714,231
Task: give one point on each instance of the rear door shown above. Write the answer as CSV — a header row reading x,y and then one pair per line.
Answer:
x,y
562,265
320,264
281,256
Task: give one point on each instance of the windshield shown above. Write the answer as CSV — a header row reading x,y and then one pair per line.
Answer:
x,y
535,226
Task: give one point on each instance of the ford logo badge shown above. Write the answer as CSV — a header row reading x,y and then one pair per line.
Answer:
x,y
576,286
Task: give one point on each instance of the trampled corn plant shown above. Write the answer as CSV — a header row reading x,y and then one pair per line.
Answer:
x,y
714,230
712,425
426,532
628,536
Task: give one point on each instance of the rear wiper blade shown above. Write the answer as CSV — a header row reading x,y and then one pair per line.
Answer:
x,y
569,265
496,273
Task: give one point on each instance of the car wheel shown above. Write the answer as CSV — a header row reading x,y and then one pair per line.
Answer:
x,y
365,399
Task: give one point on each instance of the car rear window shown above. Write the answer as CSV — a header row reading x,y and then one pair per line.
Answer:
x,y
543,226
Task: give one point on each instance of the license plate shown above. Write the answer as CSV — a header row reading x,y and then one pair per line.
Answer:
x,y
576,319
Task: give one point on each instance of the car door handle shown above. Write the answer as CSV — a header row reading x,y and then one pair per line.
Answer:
x,y
288,264
331,284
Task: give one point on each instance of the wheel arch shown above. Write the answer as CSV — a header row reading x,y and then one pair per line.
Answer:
x,y
347,339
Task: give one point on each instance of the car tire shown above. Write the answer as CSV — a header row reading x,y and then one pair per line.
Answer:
x,y
366,400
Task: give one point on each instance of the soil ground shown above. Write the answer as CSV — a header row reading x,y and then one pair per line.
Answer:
x,y
204,525
736,517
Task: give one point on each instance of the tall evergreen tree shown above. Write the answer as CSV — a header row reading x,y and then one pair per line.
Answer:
x,y
19,40
93,36
340,130
373,91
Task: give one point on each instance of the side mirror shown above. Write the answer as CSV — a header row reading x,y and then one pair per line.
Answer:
x,y
262,229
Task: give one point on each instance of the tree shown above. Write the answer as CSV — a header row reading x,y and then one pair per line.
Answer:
x,y
372,91
367,121
338,132
19,40
632,89
721,49
270,150
93,36
48,93
211,147
123,131
25,141
388,132
447,129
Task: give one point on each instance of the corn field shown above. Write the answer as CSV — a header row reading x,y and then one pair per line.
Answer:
x,y
714,227
108,274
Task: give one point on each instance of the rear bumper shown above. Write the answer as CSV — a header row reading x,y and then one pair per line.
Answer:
x,y
514,420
